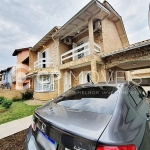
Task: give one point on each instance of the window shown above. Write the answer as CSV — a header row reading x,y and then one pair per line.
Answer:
x,y
136,96
79,50
101,99
4,76
85,77
142,91
44,83
43,59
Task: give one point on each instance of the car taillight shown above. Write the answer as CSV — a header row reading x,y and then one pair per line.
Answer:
x,y
125,147
33,125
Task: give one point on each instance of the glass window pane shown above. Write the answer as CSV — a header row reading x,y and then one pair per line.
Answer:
x,y
96,99
135,95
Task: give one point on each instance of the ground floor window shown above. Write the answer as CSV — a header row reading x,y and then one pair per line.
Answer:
x,y
44,83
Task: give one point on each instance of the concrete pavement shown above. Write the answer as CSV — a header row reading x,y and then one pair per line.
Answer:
x,y
15,126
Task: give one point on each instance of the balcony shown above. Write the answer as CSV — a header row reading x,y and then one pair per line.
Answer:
x,y
43,63
78,53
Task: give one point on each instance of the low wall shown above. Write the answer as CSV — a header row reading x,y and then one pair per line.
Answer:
x,y
44,96
10,93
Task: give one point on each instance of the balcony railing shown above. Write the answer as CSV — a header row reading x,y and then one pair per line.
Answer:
x,y
78,52
43,63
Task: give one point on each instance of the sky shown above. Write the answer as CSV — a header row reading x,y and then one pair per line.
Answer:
x,y
24,22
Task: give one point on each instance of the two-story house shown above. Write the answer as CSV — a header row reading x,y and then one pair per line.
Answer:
x,y
3,77
6,77
20,82
70,55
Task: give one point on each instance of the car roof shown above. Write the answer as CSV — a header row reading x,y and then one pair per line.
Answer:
x,y
111,83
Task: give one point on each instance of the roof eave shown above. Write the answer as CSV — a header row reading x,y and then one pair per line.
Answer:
x,y
99,4
45,39
131,47
121,31
16,51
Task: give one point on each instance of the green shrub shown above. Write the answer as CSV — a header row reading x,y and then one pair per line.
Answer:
x,y
6,103
1,99
16,99
28,94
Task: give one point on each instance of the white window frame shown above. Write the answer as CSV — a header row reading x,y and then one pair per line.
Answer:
x,y
40,57
83,77
44,83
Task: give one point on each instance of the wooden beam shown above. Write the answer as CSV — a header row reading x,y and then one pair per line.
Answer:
x,y
73,25
74,30
80,19
89,13
85,22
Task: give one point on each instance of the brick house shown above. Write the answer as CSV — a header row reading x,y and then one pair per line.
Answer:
x,y
70,55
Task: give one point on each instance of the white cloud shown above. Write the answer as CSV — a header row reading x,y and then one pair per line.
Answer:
x,y
24,23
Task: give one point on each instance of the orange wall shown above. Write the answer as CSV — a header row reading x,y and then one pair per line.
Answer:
x,y
22,69
22,55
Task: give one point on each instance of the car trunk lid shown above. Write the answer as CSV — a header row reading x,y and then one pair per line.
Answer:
x,y
81,128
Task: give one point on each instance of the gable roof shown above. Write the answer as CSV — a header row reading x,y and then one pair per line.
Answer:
x,y
45,39
94,9
117,19
19,50
128,48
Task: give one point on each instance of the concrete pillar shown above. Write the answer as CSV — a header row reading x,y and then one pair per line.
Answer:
x,y
103,74
91,35
61,82
128,76
94,72
32,59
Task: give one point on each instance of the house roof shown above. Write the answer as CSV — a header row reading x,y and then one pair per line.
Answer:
x,y
94,9
141,71
128,48
3,71
8,68
116,18
45,39
19,50
79,22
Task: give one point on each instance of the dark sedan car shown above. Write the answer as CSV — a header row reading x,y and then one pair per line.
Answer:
x,y
93,117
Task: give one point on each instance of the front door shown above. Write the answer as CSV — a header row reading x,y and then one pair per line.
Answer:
x,y
67,81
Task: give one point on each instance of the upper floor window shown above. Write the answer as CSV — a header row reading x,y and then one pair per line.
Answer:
x,y
43,58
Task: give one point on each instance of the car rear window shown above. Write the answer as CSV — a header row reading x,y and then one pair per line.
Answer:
x,y
100,99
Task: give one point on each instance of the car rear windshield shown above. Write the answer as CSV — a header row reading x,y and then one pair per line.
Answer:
x,y
100,99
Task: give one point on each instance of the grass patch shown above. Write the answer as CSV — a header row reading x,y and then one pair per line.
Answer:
x,y
16,111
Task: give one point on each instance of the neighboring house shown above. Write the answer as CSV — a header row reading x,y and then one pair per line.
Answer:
x,y
22,68
13,77
70,55
3,77
6,77
0,79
